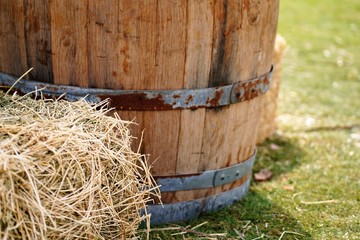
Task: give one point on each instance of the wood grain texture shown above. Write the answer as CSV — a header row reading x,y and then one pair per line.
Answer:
x,y
12,37
104,45
198,44
38,39
135,66
162,128
69,42
196,75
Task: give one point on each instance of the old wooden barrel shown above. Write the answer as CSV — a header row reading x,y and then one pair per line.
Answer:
x,y
191,73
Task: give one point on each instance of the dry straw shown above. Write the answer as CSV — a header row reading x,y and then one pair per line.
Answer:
x,y
67,171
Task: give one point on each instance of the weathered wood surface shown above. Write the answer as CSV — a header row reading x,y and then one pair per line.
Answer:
x,y
153,44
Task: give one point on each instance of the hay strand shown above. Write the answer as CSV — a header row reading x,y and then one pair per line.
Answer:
x,y
21,77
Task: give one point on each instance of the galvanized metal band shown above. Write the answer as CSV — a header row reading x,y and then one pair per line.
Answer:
x,y
184,211
206,179
151,99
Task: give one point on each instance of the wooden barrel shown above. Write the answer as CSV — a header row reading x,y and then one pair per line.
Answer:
x,y
201,151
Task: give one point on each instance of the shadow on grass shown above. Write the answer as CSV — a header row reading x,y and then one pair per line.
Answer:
x,y
279,154
256,216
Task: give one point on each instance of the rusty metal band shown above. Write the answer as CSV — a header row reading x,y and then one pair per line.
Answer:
x,y
150,99
206,179
184,211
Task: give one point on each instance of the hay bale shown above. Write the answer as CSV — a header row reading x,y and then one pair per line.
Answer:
x,y
67,171
267,124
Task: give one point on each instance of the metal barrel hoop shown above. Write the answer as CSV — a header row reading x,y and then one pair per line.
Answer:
x,y
186,210
142,100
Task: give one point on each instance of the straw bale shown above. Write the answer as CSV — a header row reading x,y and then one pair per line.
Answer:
x,y
67,171
267,124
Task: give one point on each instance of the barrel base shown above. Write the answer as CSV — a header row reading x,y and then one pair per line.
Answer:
x,y
184,211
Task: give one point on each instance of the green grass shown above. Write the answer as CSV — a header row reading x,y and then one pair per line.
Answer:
x,y
315,191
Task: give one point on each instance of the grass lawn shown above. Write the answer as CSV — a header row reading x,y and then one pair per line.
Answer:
x,y
315,191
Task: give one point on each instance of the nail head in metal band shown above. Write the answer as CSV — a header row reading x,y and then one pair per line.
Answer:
x,y
150,99
187,210
207,179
